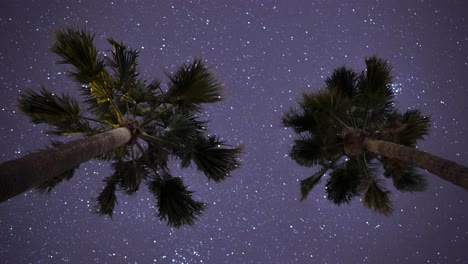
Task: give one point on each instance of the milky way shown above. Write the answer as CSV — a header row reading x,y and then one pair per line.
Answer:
x,y
266,53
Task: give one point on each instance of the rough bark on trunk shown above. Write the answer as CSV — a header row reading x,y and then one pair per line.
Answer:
x,y
443,168
17,176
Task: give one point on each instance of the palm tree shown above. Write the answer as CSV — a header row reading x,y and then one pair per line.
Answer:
x,y
128,121
351,127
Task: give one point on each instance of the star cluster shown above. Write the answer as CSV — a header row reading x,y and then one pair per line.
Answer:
x,y
266,53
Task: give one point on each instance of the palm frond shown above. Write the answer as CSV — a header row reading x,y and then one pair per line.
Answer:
x,y
45,107
192,85
102,88
210,156
129,175
107,198
182,126
138,92
345,181
299,120
124,63
77,49
175,202
405,178
343,80
155,156
310,151
330,113
154,92
377,198
415,127
309,183
374,88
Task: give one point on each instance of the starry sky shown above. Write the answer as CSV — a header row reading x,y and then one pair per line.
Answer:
x,y
266,53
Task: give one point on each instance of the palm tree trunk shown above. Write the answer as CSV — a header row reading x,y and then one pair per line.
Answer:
x,y
443,168
17,176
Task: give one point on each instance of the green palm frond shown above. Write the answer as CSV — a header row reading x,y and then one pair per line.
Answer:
x,y
102,88
154,92
330,113
377,198
210,156
375,92
345,181
138,92
77,49
156,156
107,198
415,127
182,126
309,183
405,178
299,120
45,107
343,80
192,85
124,63
310,151
129,175
175,202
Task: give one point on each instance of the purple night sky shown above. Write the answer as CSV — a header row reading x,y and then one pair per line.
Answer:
x,y
266,53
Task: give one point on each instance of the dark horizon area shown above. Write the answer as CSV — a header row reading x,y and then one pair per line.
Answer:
x,y
266,54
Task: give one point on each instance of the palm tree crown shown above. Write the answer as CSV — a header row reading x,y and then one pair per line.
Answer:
x,y
163,124
333,123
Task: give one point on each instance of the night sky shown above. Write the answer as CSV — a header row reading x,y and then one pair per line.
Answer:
x,y
266,53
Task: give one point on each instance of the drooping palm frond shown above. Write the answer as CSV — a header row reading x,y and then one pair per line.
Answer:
x,y
156,156
77,49
377,198
299,120
192,85
211,156
309,183
182,126
405,178
309,151
107,198
62,112
124,63
129,175
415,127
46,107
343,80
345,181
175,202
